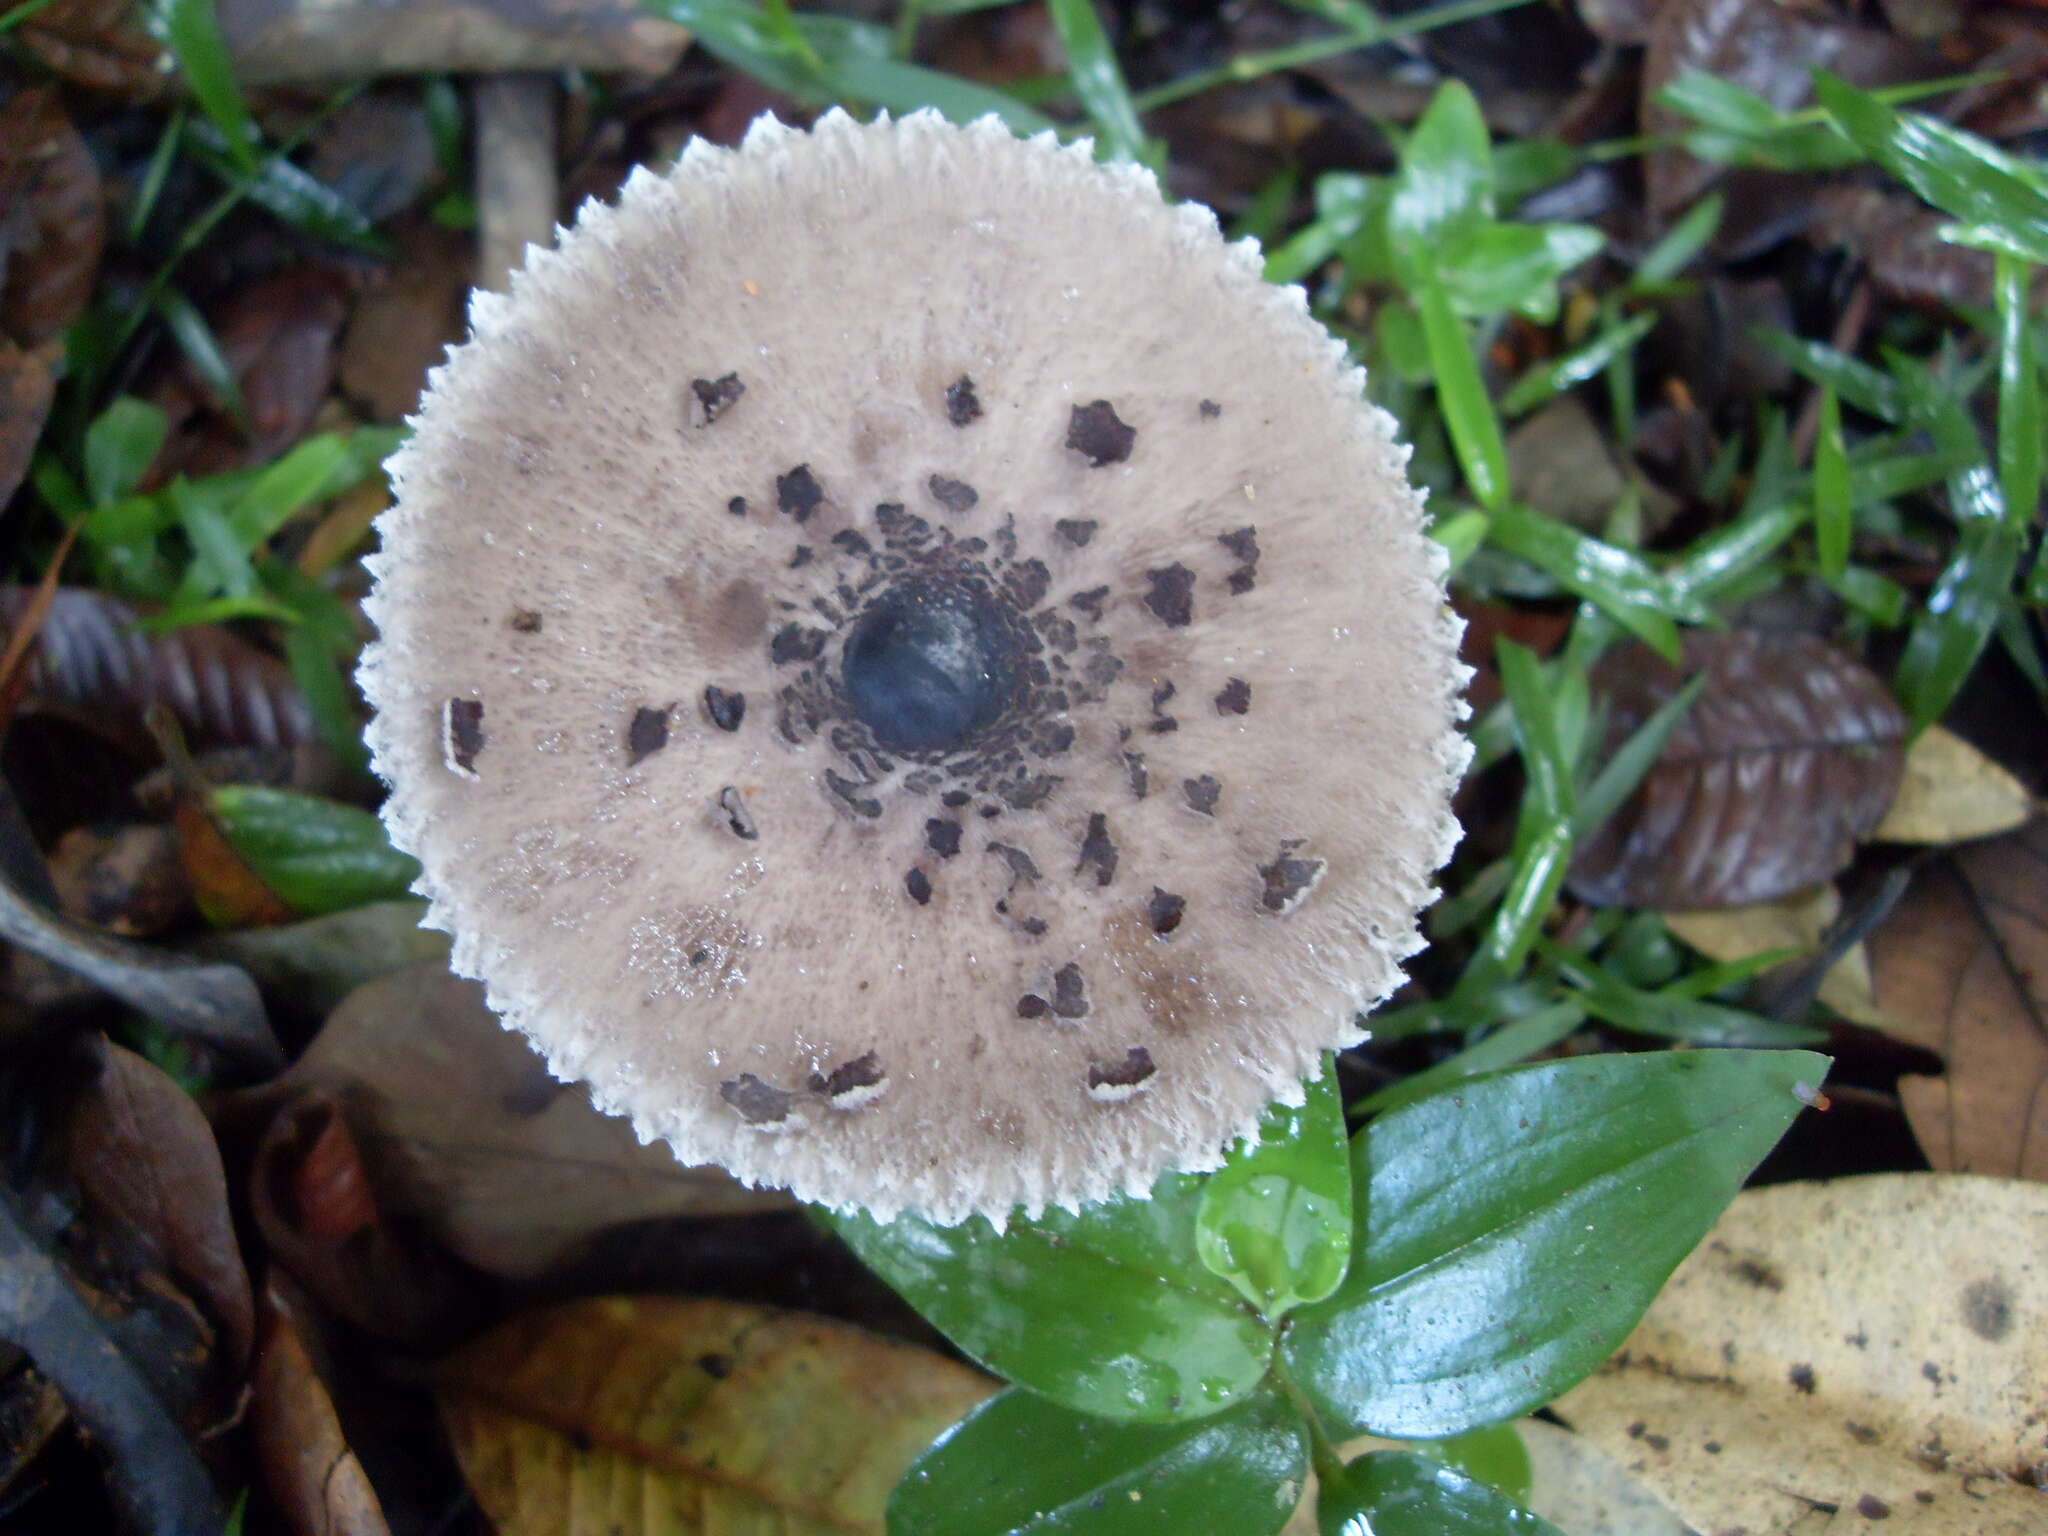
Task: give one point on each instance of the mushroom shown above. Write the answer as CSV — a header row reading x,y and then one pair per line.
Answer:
x,y
911,669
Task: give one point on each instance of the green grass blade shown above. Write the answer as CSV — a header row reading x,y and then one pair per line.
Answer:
x,y
1832,516
1098,79
1589,361
1461,394
1613,579
190,32
1961,613
2019,397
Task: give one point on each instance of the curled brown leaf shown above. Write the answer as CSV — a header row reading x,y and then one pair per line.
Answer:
x,y
53,218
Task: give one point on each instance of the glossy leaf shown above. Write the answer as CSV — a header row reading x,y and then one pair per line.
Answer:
x,y
1832,516
1461,395
1589,361
1959,173
1097,78
190,31
1544,755
1108,1312
1613,579
1502,267
1961,612
1400,1493
319,856
1676,248
1022,1466
1508,1046
1517,1224
1673,1015
2020,425
1443,191
1531,893
1275,1221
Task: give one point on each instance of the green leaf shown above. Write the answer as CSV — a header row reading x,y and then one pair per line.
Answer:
x,y
1461,533
1532,890
1672,1015
1868,389
1957,172
1516,1226
1098,81
2019,397
1536,730
1275,1220
1502,267
1021,1466
1444,187
1399,1493
1550,378
285,487
1962,610
1511,1044
1833,519
317,855
1613,579
203,354
190,31
1673,253
1634,758
120,445
220,563
1107,1311
1461,395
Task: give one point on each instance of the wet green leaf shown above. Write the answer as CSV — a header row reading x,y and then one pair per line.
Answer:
x,y
1022,1466
1443,191
1674,251
1511,1044
1615,580
1619,776
1961,611
1833,519
1589,361
1536,730
1400,1493
1962,175
190,32
1108,1312
1461,395
1501,267
317,855
1098,79
1517,1224
2020,426
1275,1220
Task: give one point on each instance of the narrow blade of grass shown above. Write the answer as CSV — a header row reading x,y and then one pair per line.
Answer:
x,y
1618,778
1611,578
1832,516
190,31
1515,1041
1461,394
1589,361
1098,80
1961,612
2019,397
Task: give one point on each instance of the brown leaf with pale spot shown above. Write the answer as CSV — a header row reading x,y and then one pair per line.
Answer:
x,y
1962,965
53,218
621,1416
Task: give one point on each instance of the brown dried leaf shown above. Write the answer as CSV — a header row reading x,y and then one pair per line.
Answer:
x,y
28,382
622,1416
228,892
92,665
1963,965
292,40
1795,922
1952,793
1899,240
1789,756
1869,1347
402,328
144,1158
127,880
464,1130
53,218
308,1469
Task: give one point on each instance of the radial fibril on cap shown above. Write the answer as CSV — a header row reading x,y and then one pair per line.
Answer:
x,y
909,667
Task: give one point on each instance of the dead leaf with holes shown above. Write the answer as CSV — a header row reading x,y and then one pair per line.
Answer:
x,y
1794,922
1962,966
1873,1349
621,1416
1950,793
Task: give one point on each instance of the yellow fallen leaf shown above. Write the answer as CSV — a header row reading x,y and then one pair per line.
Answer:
x,y
1795,922
1951,792
1871,1347
630,1416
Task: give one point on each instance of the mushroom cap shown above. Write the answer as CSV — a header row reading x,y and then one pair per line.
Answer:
x,y
911,669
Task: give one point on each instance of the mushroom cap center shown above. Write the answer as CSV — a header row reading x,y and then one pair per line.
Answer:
x,y
929,665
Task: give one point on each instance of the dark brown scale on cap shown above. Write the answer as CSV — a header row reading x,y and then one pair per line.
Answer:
x,y
962,406
525,621
1171,595
852,1083
1163,912
1098,851
1077,531
1032,1006
1235,697
1069,992
1289,879
738,820
714,397
647,735
798,493
919,885
726,710
1210,410
1096,433
1124,1078
759,1103
737,506
942,837
462,731
1202,793
953,495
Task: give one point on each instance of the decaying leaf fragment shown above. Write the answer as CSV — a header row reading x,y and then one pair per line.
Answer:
x,y
1873,1348
1962,966
1951,793
622,1416
1799,921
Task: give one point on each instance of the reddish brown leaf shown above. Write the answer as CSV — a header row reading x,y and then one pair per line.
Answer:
x,y
98,44
228,892
312,1475
1899,240
92,665
278,336
402,328
1790,754
1962,965
310,1196
53,218
144,1158
28,380
127,880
